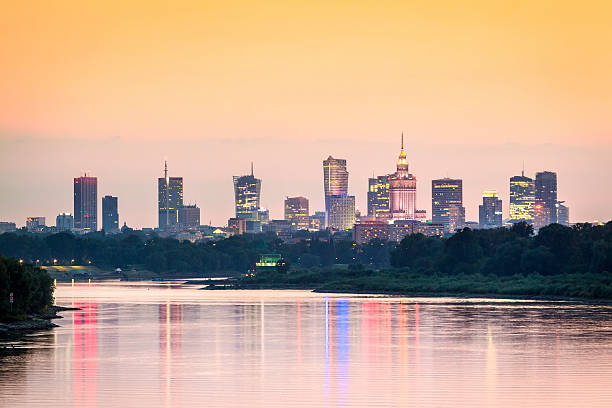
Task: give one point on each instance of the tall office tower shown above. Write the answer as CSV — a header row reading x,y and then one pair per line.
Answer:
x,y
86,203
490,211
169,199
522,198
456,218
335,180
378,195
563,214
110,214
545,208
402,189
64,222
447,193
247,194
35,223
189,217
341,214
296,212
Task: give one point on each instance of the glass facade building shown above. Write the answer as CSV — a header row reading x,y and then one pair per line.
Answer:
x,y
169,200
447,193
522,198
335,182
545,208
110,214
247,194
86,203
490,211
341,215
378,195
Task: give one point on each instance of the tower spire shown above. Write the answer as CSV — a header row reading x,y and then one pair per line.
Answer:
x,y
523,172
402,140
252,169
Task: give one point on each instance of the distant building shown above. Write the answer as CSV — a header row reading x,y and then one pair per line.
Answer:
x,y
64,222
366,230
86,203
263,215
335,181
402,190
317,220
7,227
456,218
296,212
447,193
237,225
522,199
341,212
169,200
490,211
563,215
247,194
189,217
378,195
110,214
545,208
35,224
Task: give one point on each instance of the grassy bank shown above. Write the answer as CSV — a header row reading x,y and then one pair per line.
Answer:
x,y
400,281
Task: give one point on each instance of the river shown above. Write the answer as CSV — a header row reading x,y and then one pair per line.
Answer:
x,y
154,344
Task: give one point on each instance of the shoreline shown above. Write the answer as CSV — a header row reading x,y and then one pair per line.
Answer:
x,y
16,330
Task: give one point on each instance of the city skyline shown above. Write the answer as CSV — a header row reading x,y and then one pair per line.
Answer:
x,y
402,161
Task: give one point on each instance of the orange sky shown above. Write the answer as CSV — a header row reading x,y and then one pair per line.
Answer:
x,y
236,81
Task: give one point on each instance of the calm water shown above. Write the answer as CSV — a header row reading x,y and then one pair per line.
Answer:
x,y
158,345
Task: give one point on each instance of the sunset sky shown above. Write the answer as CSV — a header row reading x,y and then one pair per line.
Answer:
x,y
477,87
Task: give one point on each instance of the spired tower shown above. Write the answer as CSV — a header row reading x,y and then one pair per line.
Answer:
x,y
402,190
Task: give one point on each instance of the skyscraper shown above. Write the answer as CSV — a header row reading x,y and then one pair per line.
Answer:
x,y
86,203
247,194
447,193
490,211
110,214
296,212
169,199
341,214
522,198
335,181
378,195
402,189
545,209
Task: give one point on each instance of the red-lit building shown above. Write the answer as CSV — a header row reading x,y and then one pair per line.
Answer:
x,y
86,203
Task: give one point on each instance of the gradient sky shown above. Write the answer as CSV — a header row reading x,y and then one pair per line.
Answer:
x,y
477,87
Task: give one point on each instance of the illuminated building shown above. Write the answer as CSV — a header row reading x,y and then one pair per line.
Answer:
x,y
237,225
189,217
263,215
402,190
86,203
341,213
456,218
447,193
490,211
366,230
317,220
169,200
64,222
110,215
247,192
545,209
522,198
335,181
296,212
35,224
378,195
563,214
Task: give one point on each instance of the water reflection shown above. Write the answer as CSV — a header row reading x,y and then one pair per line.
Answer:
x,y
175,346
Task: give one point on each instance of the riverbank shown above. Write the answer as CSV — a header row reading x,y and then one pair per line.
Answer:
x,y
13,330
578,287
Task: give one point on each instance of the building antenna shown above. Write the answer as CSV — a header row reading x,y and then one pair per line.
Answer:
x,y
251,169
402,140
523,172
167,192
